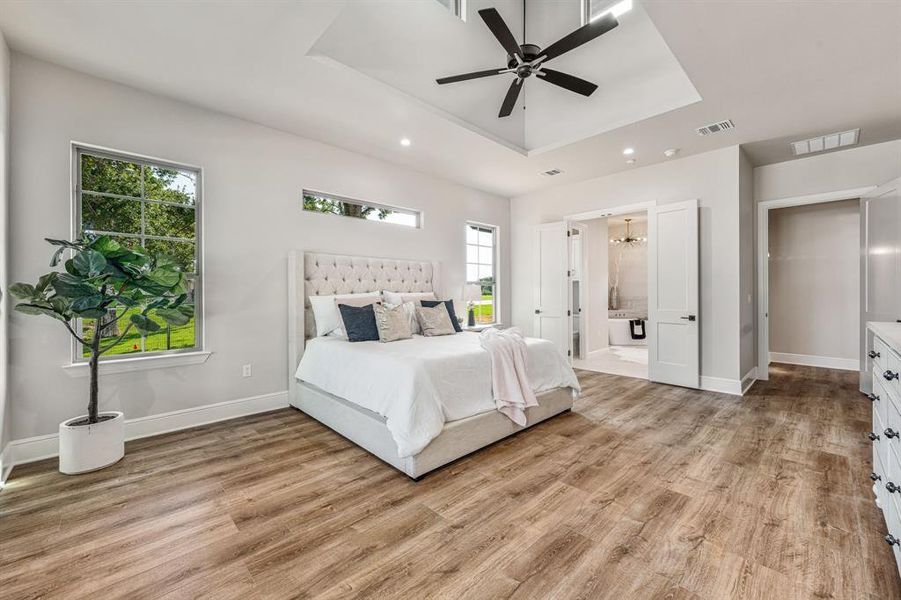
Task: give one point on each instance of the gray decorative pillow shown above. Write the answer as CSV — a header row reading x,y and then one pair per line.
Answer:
x,y
392,323
434,321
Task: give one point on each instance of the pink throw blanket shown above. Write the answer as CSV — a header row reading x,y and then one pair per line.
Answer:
x,y
509,380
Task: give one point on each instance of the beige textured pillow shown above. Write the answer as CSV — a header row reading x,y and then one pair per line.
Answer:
x,y
434,321
392,323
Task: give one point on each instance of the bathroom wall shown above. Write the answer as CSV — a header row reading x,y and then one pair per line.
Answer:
x,y
633,259
814,284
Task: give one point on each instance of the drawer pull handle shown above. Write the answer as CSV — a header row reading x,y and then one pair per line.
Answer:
x,y
892,540
889,375
873,436
890,433
873,354
873,398
892,488
875,477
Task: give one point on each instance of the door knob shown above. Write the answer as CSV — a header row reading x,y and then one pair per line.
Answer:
x,y
891,540
873,354
688,318
873,397
537,311
873,437
890,433
892,488
889,375
875,477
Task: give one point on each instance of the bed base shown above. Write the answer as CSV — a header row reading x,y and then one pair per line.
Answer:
x,y
458,438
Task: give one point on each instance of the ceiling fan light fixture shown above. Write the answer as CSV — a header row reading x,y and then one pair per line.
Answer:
x,y
405,142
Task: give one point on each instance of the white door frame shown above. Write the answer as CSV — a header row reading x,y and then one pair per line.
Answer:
x,y
611,212
583,278
763,262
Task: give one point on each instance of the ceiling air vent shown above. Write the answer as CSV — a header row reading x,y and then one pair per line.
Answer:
x,y
716,127
830,141
551,172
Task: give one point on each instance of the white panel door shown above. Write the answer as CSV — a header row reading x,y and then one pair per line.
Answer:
x,y
673,344
550,293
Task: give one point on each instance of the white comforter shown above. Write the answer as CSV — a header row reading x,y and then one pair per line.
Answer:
x,y
421,383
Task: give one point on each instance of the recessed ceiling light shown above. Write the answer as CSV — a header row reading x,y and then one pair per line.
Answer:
x,y
631,161
670,152
628,151
405,142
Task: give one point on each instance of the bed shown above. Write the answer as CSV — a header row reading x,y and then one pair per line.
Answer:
x,y
435,405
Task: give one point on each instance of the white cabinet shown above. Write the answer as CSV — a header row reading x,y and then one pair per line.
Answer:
x,y
884,356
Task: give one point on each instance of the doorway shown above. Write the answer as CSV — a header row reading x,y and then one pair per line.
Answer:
x,y
809,280
610,309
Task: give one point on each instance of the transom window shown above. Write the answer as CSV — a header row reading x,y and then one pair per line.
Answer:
x,y
457,7
360,209
595,9
147,203
481,263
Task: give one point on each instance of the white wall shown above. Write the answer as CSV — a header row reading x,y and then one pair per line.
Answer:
x,y
856,167
814,280
633,267
597,235
253,178
711,177
747,241
5,411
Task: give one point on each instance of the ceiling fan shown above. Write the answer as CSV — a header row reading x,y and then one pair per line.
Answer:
x,y
528,59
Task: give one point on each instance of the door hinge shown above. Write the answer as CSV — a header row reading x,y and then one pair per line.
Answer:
x,y
569,313
569,273
569,233
569,352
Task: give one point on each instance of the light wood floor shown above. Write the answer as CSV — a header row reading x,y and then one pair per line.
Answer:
x,y
644,491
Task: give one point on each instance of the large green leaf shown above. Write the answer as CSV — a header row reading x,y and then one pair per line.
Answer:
x,y
172,316
54,260
165,276
31,309
144,324
45,281
26,291
106,245
65,243
71,286
84,303
89,262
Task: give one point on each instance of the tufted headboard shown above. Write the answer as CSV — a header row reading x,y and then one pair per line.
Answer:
x,y
323,274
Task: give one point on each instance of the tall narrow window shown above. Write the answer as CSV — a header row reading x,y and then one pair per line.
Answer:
x,y
481,269
148,203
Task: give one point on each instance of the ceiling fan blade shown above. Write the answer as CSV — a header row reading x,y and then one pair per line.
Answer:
x,y
499,28
580,36
467,76
568,82
510,98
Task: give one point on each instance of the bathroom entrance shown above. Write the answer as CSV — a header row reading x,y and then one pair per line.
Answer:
x,y
609,293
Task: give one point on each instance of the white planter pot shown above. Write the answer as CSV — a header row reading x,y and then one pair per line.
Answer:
x,y
84,448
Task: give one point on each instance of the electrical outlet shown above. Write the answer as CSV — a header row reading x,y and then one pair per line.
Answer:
x,y
246,371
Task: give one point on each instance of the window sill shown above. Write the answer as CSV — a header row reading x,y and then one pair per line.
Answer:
x,y
142,363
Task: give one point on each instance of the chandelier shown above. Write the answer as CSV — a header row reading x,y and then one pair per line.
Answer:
x,y
630,239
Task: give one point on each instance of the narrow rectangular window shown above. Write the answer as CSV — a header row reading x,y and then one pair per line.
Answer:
x,y
148,203
456,7
359,209
481,269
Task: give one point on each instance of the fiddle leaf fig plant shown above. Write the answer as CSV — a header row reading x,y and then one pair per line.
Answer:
x,y
101,283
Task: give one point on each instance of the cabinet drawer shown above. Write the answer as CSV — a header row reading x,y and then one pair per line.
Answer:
x,y
880,400
879,354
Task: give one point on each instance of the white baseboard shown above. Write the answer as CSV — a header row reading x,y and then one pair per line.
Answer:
x,y
721,385
47,446
827,362
748,380
6,463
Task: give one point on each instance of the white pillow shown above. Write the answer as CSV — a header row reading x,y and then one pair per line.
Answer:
x,y
401,297
325,309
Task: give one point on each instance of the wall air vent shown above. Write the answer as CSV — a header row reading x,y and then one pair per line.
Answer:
x,y
715,127
830,141
551,172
